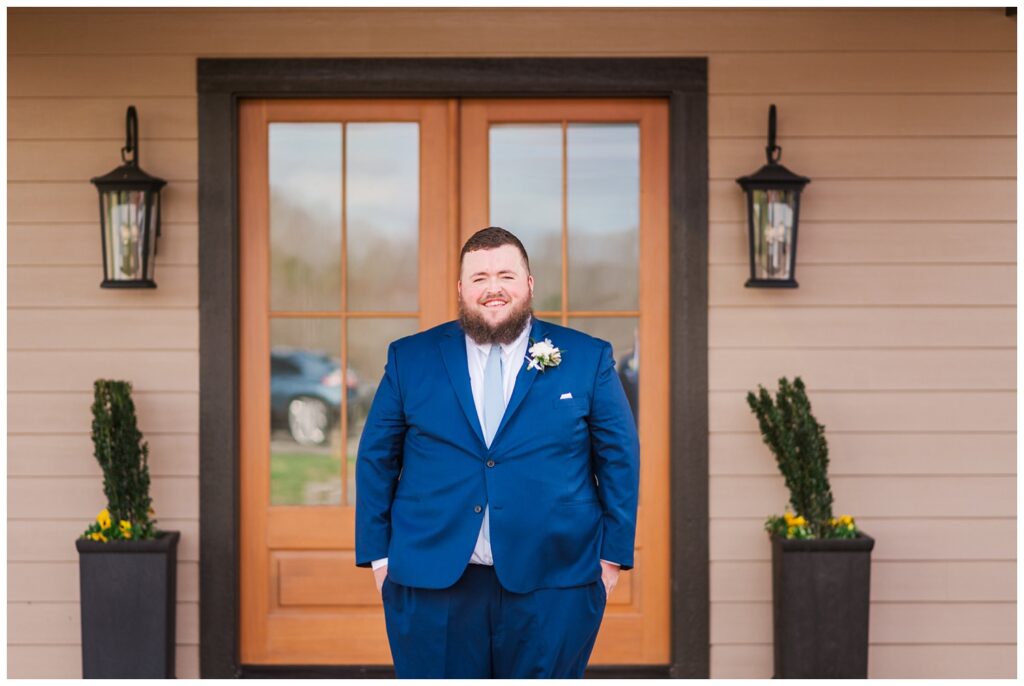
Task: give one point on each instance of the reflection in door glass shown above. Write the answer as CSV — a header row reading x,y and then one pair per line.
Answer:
x,y
382,212
603,195
623,333
305,216
306,386
526,198
368,341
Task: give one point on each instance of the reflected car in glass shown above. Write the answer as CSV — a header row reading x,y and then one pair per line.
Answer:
x,y
305,394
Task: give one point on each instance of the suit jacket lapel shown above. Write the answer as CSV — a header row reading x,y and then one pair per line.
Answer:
x,y
453,352
524,379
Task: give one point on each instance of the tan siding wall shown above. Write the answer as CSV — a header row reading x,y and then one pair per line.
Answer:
x,y
903,327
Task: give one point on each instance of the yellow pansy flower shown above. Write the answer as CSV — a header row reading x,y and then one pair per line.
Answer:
x,y
103,518
97,536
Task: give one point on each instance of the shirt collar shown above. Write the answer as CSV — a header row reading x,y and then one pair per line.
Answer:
x,y
505,347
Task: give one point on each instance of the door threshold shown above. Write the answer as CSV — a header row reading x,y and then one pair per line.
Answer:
x,y
388,672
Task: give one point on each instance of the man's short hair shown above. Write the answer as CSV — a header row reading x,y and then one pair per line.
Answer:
x,y
493,237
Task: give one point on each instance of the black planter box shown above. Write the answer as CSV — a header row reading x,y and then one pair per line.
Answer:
x,y
821,592
128,593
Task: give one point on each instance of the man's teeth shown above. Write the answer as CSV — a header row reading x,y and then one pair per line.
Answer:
x,y
495,303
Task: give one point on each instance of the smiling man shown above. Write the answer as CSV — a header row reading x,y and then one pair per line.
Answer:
x,y
497,480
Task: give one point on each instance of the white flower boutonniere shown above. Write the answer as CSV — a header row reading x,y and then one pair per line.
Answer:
x,y
544,354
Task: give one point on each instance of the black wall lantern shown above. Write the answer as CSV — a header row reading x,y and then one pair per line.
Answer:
x,y
129,216
773,211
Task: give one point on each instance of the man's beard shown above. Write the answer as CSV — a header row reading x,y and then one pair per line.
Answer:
x,y
505,332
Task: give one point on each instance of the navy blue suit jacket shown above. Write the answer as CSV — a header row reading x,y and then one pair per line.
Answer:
x,y
561,476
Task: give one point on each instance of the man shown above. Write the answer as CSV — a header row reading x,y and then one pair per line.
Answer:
x,y
496,483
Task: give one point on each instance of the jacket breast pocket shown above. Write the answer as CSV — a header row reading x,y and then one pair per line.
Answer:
x,y
570,407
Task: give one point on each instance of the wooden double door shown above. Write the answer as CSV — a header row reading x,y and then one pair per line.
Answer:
x,y
352,215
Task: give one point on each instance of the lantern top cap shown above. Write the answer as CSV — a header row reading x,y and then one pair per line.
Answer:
x,y
129,174
773,174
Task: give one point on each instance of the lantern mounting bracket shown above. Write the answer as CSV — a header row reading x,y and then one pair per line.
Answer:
x,y
131,137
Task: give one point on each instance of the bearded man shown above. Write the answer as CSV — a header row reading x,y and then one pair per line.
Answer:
x,y
496,483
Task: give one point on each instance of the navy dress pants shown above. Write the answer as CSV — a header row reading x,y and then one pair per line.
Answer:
x,y
477,629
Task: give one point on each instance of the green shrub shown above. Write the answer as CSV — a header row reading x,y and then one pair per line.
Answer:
x,y
797,440
123,459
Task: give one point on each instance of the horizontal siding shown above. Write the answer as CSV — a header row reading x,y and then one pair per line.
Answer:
x,y
875,496
734,73
42,539
72,244
882,410
936,538
149,370
877,454
954,581
61,623
177,160
947,661
58,582
46,202
841,116
860,369
32,497
893,623
865,326
49,455
142,327
65,661
38,413
904,325
502,32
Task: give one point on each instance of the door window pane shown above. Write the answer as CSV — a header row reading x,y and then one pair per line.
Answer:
x,y
603,195
526,198
305,216
382,216
623,334
305,407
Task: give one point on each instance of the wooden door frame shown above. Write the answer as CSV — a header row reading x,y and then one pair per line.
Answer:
x,y
222,82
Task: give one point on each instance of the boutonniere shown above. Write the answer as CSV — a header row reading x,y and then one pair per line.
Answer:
x,y
543,354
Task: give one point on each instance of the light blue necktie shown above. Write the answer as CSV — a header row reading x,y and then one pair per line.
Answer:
x,y
494,394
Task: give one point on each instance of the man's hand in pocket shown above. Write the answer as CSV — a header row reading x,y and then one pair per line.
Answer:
x,y
378,575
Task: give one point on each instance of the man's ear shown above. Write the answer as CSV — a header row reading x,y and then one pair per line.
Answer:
x,y
529,280
458,287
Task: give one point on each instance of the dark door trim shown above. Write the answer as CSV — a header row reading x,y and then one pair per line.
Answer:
x,y
222,82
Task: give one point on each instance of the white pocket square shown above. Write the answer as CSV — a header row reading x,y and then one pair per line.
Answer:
x,y
565,396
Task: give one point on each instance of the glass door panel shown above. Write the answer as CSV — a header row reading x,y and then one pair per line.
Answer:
x,y
344,204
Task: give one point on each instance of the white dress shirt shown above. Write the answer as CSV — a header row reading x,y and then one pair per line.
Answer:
x,y
513,356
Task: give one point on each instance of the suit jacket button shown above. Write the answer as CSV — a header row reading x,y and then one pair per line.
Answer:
x,y
477,508
490,463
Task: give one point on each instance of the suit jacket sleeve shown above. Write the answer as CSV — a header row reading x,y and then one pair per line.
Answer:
x,y
615,453
378,465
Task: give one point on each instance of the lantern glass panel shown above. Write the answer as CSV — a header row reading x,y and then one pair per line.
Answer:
x,y
154,214
126,219
773,211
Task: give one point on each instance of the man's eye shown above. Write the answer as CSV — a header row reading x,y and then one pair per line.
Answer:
x,y
509,278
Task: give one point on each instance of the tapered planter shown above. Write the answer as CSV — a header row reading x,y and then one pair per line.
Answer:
x,y
128,593
820,601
